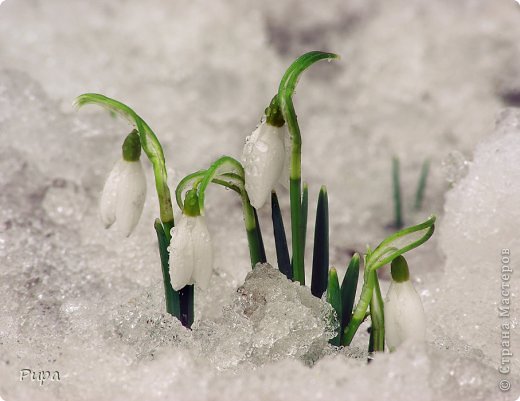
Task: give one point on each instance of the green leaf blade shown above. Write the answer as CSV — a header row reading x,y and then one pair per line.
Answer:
x,y
320,258
421,186
280,240
348,290
396,190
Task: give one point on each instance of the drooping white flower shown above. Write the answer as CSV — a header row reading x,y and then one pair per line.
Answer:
x,y
404,312
191,253
123,196
263,160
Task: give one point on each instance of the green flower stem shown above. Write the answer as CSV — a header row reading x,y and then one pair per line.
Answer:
x,y
254,235
377,317
360,311
389,249
285,92
229,173
297,246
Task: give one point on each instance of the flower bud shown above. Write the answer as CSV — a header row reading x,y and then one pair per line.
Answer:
x,y
404,313
123,196
191,253
263,160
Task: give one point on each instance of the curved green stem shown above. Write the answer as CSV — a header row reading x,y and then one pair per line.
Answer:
x,y
228,172
285,92
149,143
224,165
389,249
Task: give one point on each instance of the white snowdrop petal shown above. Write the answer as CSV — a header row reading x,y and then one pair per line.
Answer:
x,y
404,315
181,253
131,194
108,201
203,254
286,169
263,159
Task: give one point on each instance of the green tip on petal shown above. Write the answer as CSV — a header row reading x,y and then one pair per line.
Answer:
x,y
132,147
191,204
399,268
273,113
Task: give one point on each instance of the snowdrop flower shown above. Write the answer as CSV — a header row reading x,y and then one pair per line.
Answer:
x,y
404,313
264,159
124,193
191,253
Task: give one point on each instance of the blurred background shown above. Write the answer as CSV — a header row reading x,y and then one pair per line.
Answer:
x,y
417,80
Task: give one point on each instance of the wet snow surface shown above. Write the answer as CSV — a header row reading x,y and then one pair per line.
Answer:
x,y
418,79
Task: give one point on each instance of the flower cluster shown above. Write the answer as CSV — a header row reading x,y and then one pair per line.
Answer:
x,y
271,155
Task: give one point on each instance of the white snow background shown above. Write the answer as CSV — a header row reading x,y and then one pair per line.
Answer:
x,y
418,79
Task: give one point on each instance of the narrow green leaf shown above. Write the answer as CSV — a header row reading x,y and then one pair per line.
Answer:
x,y
320,257
348,290
334,298
171,296
421,186
280,240
396,186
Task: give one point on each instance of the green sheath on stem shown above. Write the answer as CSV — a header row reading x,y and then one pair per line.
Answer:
x,y
320,258
305,211
280,240
334,298
377,317
171,296
285,92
